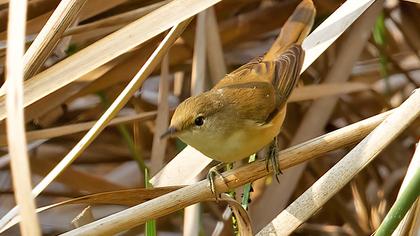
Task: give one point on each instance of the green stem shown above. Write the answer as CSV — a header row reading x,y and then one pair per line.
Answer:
x,y
150,227
247,188
400,207
379,36
123,130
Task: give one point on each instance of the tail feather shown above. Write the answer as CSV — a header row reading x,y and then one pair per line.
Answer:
x,y
295,30
290,64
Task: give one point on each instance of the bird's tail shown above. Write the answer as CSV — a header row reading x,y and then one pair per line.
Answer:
x,y
294,31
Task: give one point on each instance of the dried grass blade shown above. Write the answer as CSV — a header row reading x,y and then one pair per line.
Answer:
x,y
111,112
47,39
341,173
127,197
325,34
122,18
311,92
244,222
15,124
79,127
162,119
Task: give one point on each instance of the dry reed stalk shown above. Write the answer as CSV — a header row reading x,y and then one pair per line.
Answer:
x,y
318,91
95,7
404,226
183,169
5,159
226,216
90,9
108,48
67,93
199,57
200,191
119,19
320,111
123,71
48,38
32,26
39,17
127,197
256,22
191,225
407,27
52,101
415,1
157,158
341,173
79,127
74,178
34,9
325,34
215,56
415,227
198,85
111,112
15,123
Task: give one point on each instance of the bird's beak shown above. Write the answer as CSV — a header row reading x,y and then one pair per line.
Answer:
x,y
170,131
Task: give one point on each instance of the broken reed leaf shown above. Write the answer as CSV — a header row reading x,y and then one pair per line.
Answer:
x,y
241,215
127,197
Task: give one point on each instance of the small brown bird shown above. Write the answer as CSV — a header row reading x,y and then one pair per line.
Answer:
x,y
245,111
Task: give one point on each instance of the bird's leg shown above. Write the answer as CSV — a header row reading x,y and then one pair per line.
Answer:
x,y
272,158
213,172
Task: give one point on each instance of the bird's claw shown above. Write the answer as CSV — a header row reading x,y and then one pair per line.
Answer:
x,y
273,159
213,172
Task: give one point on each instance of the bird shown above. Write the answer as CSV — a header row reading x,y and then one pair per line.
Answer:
x,y
244,111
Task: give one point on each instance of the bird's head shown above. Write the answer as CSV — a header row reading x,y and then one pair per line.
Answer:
x,y
194,117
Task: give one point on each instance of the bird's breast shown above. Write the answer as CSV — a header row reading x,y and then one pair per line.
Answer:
x,y
240,143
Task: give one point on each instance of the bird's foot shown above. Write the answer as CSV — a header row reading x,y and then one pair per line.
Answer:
x,y
213,172
272,159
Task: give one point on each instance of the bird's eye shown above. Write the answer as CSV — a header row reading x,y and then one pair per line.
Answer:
x,y
199,121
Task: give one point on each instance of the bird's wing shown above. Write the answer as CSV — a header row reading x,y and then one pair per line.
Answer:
x,y
265,85
286,76
251,84
287,71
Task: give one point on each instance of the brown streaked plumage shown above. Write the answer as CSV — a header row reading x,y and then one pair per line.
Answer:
x,y
246,109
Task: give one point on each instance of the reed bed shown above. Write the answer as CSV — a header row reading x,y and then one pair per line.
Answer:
x,y
82,110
